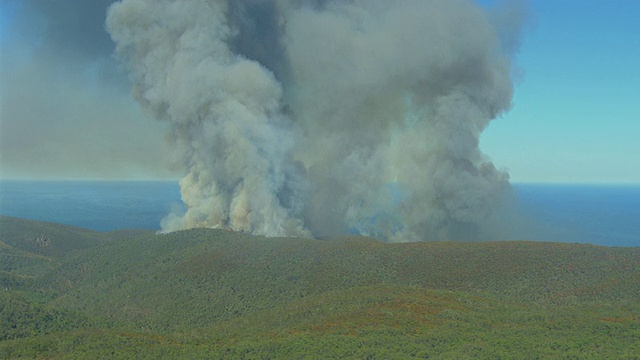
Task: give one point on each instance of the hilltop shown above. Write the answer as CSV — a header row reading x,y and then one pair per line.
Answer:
x,y
214,293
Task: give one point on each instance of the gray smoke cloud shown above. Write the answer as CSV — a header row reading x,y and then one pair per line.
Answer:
x,y
313,118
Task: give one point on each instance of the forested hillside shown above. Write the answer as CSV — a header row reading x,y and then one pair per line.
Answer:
x,y
69,292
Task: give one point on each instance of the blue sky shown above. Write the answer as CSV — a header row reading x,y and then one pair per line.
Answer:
x,y
575,115
576,111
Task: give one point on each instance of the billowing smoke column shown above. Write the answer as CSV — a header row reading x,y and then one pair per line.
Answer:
x,y
313,118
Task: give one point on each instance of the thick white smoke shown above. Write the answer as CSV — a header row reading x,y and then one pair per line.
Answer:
x,y
312,118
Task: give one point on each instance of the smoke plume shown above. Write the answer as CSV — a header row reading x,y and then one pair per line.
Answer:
x,y
313,118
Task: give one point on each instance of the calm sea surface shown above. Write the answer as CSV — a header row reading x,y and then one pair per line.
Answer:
x,y
97,205
603,215
593,214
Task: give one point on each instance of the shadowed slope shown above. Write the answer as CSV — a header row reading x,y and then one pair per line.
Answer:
x,y
44,238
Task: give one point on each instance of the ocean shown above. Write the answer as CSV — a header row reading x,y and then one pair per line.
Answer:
x,y
592,214
96,205
606,215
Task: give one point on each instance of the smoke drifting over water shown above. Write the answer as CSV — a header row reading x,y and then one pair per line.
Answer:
x,y
313,118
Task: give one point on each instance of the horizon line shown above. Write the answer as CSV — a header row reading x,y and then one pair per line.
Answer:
x,y
176,180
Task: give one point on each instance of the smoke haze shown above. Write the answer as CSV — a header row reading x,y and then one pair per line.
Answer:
x,y
65,107
314,118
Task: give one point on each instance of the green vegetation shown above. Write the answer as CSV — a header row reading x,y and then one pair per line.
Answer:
x,y
216,294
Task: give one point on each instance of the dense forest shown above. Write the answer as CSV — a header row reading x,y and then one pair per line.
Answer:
x,y
74,293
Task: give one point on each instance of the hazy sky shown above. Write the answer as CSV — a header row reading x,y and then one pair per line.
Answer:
x,y
576,111
66,110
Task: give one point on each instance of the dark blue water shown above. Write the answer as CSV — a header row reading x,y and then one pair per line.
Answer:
x,y
602,215
97,205
594,214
